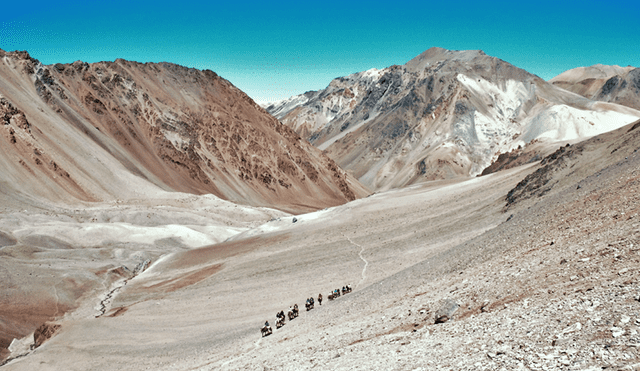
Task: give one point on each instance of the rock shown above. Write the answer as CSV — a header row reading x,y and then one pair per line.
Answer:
x,y
575,327
617,332
295,219
446,311
44,333
485,307
20,346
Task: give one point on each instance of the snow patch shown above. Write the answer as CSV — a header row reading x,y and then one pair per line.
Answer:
x,y
562,122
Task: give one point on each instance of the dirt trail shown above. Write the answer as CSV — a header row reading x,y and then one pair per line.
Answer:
x,y
366,263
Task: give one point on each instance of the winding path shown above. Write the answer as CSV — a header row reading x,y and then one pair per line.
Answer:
x,y
366,263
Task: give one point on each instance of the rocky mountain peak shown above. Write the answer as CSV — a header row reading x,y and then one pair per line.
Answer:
x,y
156,126
443,114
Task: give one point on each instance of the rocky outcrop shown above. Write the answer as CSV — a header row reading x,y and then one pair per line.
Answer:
x,y
44,333
584,158
117,129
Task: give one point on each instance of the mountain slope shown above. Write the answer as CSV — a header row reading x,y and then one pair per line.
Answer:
x,y
124,130
444,114
552,283
613,84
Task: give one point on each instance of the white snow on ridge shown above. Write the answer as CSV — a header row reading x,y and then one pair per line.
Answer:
x,y
507,101
555,122
282,107
561,122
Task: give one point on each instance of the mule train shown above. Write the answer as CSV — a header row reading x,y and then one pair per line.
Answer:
x,y
293,311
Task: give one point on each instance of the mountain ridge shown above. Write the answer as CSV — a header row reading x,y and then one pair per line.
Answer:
x,y
615,84
444,114
158,127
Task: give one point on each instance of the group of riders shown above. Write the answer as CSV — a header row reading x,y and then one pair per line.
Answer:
x,y
336,293
293,310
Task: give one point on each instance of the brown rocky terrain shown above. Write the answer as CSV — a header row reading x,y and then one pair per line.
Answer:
x,y
109,130
535,267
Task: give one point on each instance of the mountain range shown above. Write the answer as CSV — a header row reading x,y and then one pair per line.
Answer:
x,y
613,84
443,114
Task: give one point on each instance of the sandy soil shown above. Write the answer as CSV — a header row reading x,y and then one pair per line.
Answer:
x,y
58,259
216,297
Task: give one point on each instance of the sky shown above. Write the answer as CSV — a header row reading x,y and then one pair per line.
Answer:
x,y
273,50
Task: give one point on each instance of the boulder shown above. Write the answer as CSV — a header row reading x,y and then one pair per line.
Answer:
x,y
446,311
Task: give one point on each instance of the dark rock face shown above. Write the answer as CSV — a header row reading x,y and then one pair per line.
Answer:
x,y
624,90
44,333
608,86
620,85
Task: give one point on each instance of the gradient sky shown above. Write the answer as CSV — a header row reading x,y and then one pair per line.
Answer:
x,y
275,50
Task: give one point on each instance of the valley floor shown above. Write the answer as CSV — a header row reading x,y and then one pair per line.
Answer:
x,y
551,283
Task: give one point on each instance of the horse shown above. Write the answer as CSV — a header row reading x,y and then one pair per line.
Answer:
x,y
291,315
295,310
266,331
279,322
309,304
320,299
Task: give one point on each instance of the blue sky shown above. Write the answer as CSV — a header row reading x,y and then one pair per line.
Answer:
x,y
275,50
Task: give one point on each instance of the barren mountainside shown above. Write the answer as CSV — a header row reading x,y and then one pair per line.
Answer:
x,y
444,114
123,130
613,84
